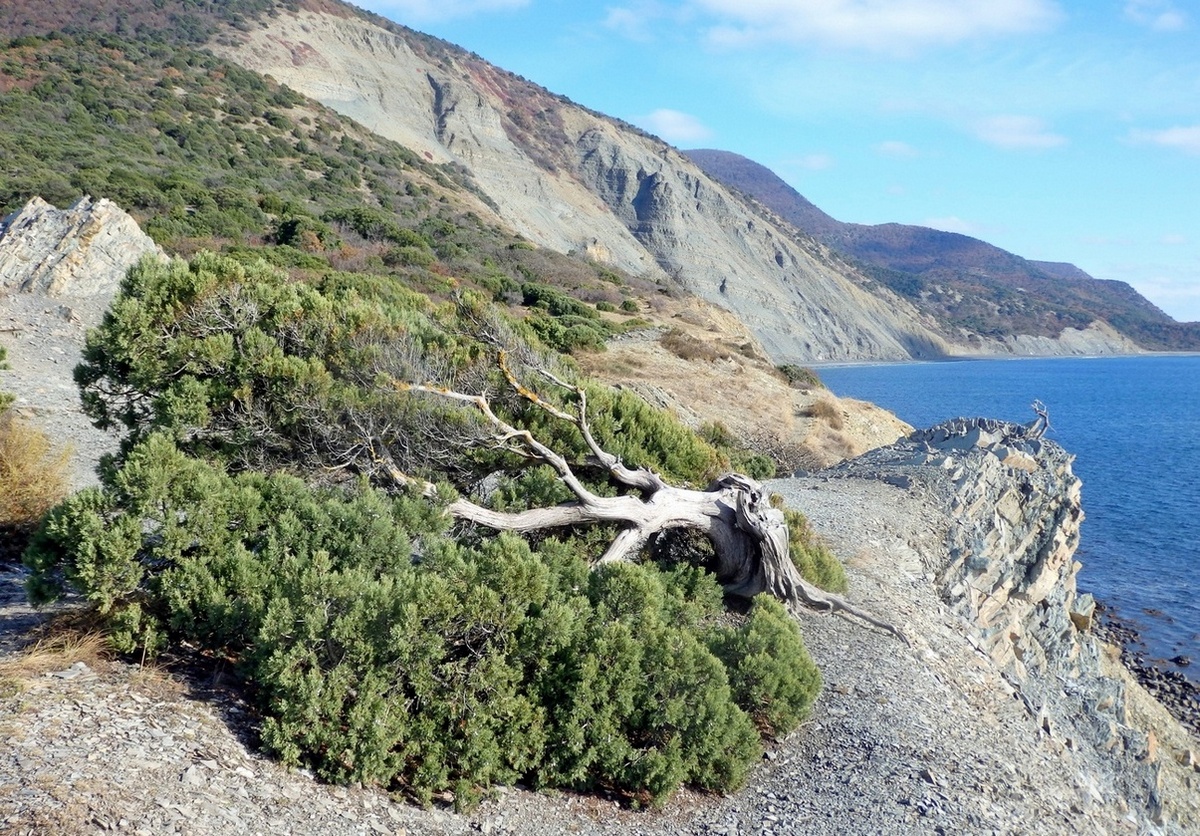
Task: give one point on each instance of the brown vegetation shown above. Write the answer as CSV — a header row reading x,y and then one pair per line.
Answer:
x,y
686,347
33,476
825,410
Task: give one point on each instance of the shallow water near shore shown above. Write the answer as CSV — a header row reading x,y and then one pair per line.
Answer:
x,y
1133,424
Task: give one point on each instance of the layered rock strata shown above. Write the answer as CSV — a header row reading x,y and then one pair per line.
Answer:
x,y
1008,571
83,250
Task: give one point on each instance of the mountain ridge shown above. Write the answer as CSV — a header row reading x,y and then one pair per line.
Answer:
x,y
930,267
571,180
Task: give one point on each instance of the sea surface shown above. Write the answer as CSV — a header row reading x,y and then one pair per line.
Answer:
x,y
1133,424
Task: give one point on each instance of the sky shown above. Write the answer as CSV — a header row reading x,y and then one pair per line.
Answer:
x,y
1061,130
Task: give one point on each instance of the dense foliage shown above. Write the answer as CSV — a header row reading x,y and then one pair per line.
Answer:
x,y
381,651
237,361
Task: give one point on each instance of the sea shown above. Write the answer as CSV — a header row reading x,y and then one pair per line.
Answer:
x,y
1133,424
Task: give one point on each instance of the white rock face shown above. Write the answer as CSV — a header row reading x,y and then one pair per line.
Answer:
x,y
83,251
608,190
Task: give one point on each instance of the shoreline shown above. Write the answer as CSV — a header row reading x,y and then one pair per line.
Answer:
x,y
1173,689
972,358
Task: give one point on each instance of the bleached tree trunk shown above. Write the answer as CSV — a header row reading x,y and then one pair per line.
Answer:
x,y
748,536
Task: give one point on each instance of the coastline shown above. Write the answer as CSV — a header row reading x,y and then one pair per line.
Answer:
x,y
1177,692
972,358
1132,425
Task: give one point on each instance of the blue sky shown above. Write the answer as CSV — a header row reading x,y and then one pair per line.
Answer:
x,y
1062,130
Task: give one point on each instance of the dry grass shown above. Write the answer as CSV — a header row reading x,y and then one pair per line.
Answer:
x,y
33,476
825,409
56,651
686,347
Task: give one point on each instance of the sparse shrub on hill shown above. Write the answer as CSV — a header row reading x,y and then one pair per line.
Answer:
x,y
800,377
812,556
33,475
825,410
686,347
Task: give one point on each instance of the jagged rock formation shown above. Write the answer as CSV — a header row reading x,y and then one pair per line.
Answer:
x,y
84,250
1009,572
59,270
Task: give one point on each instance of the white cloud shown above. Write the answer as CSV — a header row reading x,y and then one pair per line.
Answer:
x,y
634,20
1180,138
952,224
899,150
1016,132
812,162
1178,296
893,26
674,126
424,11
1159,15
626,22
1173,240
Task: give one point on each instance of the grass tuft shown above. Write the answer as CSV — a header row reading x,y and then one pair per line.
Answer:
x,y
33,476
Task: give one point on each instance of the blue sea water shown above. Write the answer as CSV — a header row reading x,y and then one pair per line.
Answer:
x,y
1134,425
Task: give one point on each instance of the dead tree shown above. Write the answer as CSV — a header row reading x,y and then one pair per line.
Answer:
x,y
748,536
1039,425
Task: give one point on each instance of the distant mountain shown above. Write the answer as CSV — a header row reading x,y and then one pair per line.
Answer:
x,y
962,281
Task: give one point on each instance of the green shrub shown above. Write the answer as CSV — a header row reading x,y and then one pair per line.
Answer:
x,y
452,672
816,563
771,673
741,459
630,306
800,377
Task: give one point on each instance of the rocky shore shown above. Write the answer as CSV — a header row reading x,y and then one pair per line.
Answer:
x,y
1171,687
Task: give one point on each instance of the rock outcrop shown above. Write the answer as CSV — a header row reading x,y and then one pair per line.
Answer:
x,y
1009,573
82,251
59,269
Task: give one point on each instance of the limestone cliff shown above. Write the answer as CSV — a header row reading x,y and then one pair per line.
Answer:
x,y
569,179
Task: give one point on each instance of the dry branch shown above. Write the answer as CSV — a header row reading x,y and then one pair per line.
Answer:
x,y
749,537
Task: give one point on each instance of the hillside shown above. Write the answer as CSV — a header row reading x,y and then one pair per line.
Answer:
x,y
375,550
962,281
